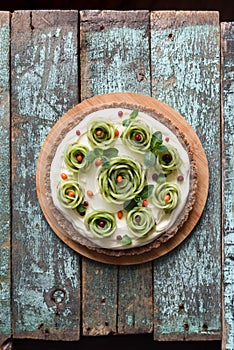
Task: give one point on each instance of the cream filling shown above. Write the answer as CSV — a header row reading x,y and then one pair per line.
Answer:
x,y
89,181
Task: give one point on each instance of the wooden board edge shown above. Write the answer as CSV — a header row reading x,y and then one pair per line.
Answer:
x,y
227,328
194,337
5,129
147,102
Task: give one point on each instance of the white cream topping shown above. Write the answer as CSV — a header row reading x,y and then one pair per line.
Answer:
x,y
88,180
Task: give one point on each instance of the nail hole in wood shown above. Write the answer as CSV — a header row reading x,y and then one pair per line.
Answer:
x,y
40,326
103,300
205,327
171,36
58,296
181,307
102,27
186,326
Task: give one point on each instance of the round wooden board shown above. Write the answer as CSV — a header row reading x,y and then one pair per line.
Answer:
x,y
71,119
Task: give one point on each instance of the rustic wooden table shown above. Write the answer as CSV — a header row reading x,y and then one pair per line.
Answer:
x,y
50,61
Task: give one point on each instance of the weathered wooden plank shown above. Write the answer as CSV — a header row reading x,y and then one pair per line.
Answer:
x,y
5,249
115,57
185,74
46,273
99,293
135,307
227,54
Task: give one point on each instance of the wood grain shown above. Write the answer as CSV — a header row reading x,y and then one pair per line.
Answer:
x,y
115,57
64,229
227,53
46,273
5,218
178,61
186,75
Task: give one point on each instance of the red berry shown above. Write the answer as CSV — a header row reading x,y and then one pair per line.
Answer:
x,y
78,132
63,176
101,223
120,214
120,113
138,137
119,178
79,158
167,138
98,162
167,158
86,203
71,194
99,132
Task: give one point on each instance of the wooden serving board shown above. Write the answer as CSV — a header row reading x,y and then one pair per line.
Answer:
x,y
70,120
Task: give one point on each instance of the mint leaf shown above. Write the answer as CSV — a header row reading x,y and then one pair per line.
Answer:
x,y
130,204
98,152
126,122
134,114
147,191
156,140
110,152
90,156
161,149
126,240
81,208
105,162
149,159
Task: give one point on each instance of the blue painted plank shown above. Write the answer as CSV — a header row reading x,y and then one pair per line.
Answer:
x,y
115,57
46,273
227,44
5,244
185,52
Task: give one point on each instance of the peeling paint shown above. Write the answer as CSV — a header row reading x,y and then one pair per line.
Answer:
x,y
5,284
110,64
44,86
228,179
185,74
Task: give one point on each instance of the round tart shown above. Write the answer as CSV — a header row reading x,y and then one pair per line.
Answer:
x,y
123,179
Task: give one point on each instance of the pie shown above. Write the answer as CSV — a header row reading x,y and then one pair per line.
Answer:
x,y
124,178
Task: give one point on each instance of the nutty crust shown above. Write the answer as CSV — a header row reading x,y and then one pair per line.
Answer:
x,y
68,228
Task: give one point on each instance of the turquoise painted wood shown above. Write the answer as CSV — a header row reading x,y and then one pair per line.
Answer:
x,y
5,249
185,52
45,272
115,57
227,36
173,56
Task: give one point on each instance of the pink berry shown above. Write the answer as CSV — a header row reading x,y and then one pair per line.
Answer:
x,y
155,177
137,218
167,138
180,178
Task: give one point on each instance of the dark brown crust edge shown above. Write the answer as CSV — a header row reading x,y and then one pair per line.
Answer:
x,y
68,228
